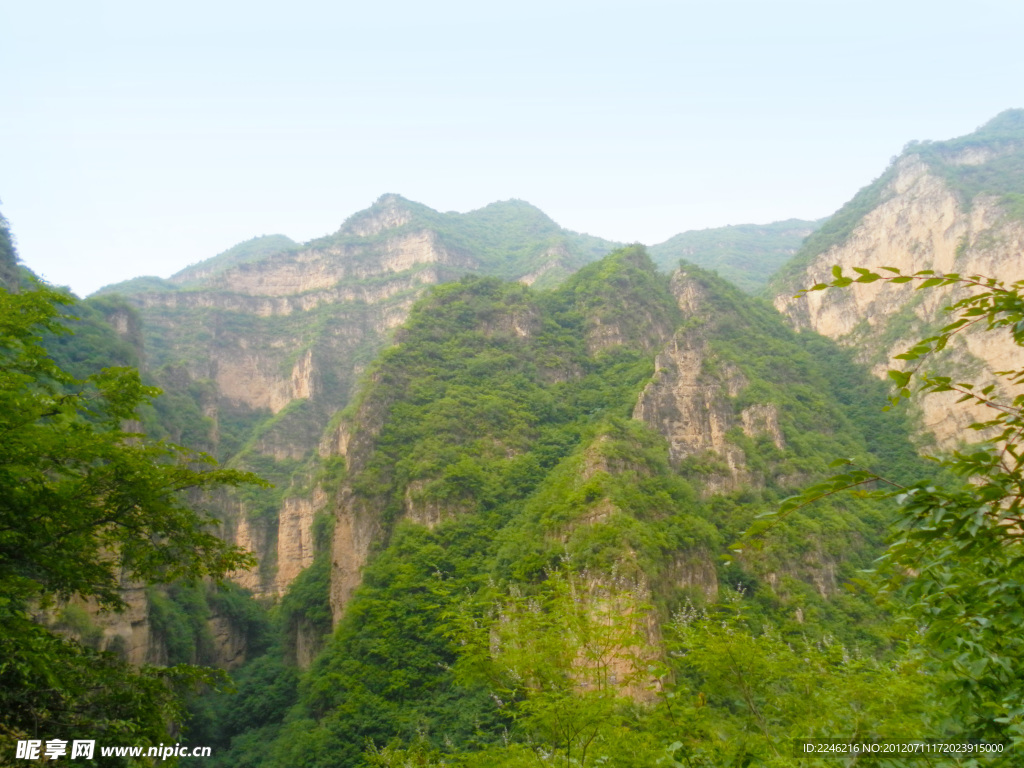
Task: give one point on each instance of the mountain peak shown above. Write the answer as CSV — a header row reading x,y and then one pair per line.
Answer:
x,y
253,249
389,211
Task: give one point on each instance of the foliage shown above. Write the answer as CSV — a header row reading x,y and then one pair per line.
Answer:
x,y
91,344
476,412
744,694
503,418
563,660
87,505
306,605
385,674
958,551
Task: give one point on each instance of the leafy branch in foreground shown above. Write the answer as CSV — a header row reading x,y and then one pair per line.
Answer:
x,y
957,553
996,305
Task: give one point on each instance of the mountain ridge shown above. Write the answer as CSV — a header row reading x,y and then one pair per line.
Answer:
x,y
745,252
953,207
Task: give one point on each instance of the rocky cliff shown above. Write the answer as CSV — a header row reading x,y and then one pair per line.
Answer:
x,y
690,399
950,207
269,338
487,377
260,347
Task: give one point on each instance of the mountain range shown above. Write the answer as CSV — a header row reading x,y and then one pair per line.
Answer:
x,y
457,405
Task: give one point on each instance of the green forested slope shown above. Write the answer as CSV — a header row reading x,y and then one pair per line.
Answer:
x,y
495,444
746,255
228,336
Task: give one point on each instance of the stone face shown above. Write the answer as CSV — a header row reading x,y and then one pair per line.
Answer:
x,y
228,643
129,632
695,570
356,526
279,334
921,223
295,549
685,403
688,400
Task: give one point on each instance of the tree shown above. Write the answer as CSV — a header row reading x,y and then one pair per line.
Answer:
x,y
742,696
566,662
88,504
957,556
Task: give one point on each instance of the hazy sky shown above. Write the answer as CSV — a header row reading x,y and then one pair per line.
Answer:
x,y
136,138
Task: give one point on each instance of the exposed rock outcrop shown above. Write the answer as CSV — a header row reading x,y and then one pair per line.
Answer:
x,y
356,528
690,399
280,332
921,222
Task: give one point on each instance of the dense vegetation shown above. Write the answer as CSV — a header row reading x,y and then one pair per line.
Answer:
x,y
520,619
197,327
549,580
88,506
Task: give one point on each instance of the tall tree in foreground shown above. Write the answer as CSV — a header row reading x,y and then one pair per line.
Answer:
x,y
87,505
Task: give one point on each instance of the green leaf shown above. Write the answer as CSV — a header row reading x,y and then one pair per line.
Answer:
x,y
902,378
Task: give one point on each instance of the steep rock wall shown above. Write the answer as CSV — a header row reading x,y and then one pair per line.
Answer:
x,y
689,399
921,223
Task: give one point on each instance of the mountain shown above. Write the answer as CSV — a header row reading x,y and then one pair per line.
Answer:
x,y
746,255
485,374
260,347
627,422
486,440
950,206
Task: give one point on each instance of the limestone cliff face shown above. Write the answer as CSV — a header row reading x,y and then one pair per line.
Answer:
x,y
286,542
690,399
357,525
321,270
278,334
557,262
359,520
920,223
128,633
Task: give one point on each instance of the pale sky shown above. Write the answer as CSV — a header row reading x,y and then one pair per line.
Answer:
x,y
137,138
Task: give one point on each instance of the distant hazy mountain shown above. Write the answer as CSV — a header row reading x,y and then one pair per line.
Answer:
x,y
745,254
